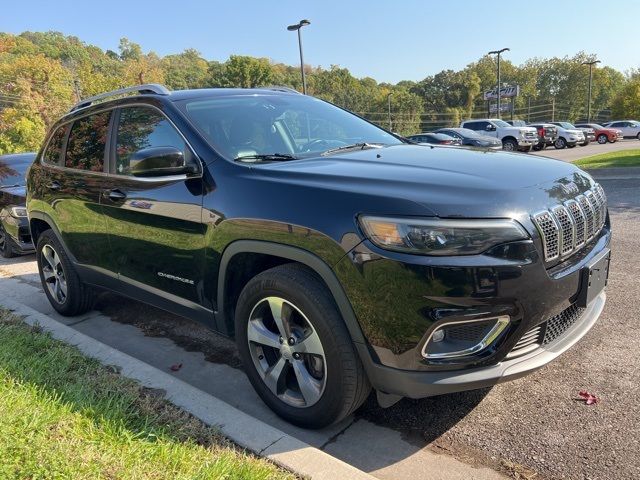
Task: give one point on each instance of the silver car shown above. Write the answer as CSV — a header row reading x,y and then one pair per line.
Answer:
x,y
629,128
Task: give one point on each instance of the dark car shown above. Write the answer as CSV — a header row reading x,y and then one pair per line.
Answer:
x,y
434,139
338,255
473,139
547,135
15,238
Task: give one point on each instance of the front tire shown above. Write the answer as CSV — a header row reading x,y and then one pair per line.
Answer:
x,y
509,145
560,143
296,349
7,245
60,281
602,139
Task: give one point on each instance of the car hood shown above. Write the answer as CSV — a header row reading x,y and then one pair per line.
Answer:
x,y
447,182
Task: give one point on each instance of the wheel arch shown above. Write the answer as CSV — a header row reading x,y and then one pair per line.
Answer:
x,y
509,138
280,254
38,223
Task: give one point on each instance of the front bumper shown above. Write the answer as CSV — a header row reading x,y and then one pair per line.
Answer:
x,y
527,142
424,384
18,230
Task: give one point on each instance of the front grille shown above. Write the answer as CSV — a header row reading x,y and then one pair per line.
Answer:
x,y
565,229
559,324
547,332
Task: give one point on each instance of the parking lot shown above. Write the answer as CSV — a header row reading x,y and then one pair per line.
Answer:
x,y
570,154
535,425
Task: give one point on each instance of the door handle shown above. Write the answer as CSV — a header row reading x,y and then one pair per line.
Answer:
x,y
116,195
54,186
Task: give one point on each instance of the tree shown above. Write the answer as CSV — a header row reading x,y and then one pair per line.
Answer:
x,y
626,104
185,70
245,72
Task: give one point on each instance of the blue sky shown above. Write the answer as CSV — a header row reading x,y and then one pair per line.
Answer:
x,y
389,41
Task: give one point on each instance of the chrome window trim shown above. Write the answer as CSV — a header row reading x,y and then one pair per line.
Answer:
x,y
113,108
492,335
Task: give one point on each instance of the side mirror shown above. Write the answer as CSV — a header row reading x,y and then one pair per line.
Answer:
x,y
159,162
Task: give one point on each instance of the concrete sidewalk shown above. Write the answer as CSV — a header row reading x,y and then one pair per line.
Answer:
x,y
202,386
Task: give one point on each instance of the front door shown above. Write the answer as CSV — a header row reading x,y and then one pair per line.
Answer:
x,y
155,223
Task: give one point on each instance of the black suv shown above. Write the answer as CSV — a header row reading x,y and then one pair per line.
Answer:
x,y
338,256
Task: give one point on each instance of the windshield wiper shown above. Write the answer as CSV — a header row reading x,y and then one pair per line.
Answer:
x,y
354,146
266,156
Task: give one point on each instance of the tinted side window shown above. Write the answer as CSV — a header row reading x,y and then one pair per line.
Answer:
x,y
88,137
54,148
474,125
140,128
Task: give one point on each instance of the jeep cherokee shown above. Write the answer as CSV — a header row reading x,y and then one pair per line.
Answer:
x,y
339,256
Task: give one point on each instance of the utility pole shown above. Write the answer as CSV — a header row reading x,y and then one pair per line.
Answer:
x,y
529,110
389,108
498,52
297,27
591,64
553,109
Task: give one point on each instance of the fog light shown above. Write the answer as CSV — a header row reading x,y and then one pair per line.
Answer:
x,y
438,336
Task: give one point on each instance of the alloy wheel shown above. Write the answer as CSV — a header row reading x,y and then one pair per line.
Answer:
x,y
287,352
53,274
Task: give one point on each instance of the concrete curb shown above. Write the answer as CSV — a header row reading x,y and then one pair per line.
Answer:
x,y
246,431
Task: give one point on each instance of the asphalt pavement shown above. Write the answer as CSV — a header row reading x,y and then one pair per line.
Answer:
x,y
594,148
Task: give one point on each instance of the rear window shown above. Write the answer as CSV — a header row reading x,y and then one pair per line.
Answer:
x,y
87,141
54,148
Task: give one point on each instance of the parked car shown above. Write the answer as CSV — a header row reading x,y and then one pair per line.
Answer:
x,y
547,135
512,138
434,139
603,134
589,135
568,135
629,128
339,256
469,138
15,238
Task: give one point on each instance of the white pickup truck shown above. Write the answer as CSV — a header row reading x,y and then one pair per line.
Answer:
x,y
513,138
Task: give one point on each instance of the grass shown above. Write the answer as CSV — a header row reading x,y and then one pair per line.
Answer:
x,y
625,158
63,415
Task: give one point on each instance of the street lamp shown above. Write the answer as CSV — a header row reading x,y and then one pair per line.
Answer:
x,y
498,52
591,64
389,108
297,27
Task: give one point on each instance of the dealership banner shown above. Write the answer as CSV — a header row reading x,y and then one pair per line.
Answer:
x,y
505,92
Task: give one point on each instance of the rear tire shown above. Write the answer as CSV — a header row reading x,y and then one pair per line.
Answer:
x,y
560,143
335,380
60,281
7,245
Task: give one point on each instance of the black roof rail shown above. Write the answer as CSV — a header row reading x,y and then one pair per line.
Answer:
x,y
140,89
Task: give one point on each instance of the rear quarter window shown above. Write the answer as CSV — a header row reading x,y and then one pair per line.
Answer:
x,y
87,141
53,154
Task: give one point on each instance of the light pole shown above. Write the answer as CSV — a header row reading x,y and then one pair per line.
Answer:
x,y
591,64
297,27
498,52
389,108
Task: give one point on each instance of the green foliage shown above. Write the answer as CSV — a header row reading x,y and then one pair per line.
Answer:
x,y
626,104
44,73
623,158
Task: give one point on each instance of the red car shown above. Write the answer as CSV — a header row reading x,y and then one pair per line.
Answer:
x,y
603,134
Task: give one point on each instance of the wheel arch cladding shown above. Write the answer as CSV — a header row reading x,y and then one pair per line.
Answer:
x,y
272,254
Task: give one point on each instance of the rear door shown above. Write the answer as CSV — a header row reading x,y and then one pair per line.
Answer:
x,y
155,223
73,167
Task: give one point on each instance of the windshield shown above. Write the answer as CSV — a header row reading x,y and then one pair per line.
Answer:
x,y
13,172
247,126
566,125
501,123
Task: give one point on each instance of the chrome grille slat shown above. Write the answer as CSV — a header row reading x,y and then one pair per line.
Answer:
x,y
565,229
579,221
550,234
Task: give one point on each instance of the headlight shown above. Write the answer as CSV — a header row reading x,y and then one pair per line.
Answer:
x,y
435,236
18,212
